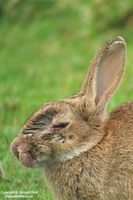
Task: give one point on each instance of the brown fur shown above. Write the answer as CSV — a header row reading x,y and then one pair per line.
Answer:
x,y
87,154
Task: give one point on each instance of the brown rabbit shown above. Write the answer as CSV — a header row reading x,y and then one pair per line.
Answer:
x,y
86,153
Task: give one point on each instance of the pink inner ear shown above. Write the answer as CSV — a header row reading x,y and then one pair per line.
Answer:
x,y
97,99
107,72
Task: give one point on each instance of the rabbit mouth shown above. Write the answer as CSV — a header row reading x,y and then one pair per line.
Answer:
x,y
28,154
21,150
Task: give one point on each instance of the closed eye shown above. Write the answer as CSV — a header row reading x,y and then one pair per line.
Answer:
x,y
60,125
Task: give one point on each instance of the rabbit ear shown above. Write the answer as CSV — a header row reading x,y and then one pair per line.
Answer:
x,y
104,73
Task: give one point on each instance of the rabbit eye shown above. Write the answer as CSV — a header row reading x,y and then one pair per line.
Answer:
x,y
60,125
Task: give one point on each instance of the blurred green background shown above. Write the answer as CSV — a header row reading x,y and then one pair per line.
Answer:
x,y
45,48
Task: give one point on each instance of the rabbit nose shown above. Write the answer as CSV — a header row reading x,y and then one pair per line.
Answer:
x,y
14,147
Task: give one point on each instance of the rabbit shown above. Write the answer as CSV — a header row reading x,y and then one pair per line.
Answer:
x,y
86,152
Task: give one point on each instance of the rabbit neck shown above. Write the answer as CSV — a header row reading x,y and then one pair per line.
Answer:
x,y
69,156
64,157
66,179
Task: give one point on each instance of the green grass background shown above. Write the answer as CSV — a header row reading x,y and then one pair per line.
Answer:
x,y
45,48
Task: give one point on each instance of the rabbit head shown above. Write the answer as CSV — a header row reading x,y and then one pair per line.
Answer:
x,y
62,130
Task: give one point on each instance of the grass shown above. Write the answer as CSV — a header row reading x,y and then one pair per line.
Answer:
x,y
43,60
